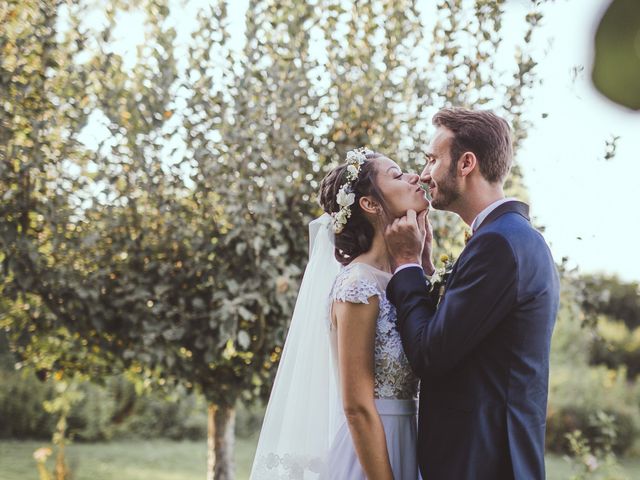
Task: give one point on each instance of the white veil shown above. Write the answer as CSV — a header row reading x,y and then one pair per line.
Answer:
x,y
304,409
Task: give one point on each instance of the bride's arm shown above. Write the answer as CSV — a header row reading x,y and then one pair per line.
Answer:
x,y
356,327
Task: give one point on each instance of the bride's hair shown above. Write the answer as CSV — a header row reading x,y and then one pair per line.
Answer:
x,y
357,235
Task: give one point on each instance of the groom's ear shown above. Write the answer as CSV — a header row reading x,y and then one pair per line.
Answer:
x,y
369,205
467,163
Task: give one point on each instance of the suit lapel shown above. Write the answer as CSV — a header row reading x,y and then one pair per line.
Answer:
x,y
507,207
515,206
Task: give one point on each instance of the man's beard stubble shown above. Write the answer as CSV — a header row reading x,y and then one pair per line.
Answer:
x,y
447,193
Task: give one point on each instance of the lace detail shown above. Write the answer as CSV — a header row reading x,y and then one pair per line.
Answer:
x,y
357,290
285,467
393,375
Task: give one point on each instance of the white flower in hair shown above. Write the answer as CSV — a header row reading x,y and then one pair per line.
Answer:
x,y
345,199
340,219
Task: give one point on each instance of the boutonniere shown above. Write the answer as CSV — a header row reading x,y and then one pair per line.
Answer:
x,y
439,278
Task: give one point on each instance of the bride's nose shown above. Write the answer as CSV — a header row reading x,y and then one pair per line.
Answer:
x,y
414,178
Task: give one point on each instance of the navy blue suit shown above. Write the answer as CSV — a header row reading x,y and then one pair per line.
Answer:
x,y
483,354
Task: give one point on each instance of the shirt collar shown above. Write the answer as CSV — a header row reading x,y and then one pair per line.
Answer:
x,y
484,213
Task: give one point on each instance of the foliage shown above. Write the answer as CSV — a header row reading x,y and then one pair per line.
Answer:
x,y
249,420
598,462
115,409
216,160
182,417
571,340
616,66
613,297
105,412
615,345
174,247
578,391
67,394
21,399
43,109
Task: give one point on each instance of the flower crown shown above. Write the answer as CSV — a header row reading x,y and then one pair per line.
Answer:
x,y
346,196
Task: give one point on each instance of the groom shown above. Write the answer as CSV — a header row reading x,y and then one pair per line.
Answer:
x,y
483,353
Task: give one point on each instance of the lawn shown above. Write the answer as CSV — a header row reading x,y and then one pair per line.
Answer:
x,y
167,460
123,460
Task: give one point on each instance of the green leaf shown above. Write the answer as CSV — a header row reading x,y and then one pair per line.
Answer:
x,y
616,66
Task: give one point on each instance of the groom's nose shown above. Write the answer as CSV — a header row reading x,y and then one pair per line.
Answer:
x,y
425,176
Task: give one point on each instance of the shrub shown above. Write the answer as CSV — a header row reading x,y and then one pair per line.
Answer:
x,y
249,419
21,410
156,416
105,412
615,345
578,394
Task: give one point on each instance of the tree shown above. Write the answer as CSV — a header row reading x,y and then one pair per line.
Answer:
x,y
176,246
616,64
613,297
42,113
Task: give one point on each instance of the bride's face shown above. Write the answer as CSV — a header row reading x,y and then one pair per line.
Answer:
x,y
401,191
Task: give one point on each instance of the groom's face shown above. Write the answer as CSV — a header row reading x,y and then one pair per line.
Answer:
x,y
440,172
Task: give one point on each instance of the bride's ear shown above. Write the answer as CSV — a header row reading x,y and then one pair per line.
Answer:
x,y
369,205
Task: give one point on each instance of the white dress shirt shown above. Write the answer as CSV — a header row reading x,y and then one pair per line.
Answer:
x,y
485,213
474,226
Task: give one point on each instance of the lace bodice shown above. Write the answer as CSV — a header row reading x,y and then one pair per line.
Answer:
x,y
357,283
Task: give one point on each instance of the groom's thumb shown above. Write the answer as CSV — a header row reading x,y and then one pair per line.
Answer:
x,y
411,217
422,220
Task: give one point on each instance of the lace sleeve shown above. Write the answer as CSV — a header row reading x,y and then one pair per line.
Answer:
x,y
354,288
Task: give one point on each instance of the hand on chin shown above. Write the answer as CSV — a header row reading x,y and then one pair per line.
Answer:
x,y
405,238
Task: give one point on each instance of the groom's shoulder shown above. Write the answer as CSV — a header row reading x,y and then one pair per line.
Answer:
x,y
510,223
517,231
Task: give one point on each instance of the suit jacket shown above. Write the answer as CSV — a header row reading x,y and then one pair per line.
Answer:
x,y
483,353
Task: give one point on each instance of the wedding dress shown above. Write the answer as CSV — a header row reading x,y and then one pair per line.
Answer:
x,y
305,434
395,385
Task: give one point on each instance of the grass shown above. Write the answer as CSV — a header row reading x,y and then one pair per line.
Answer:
x,y
123,460
168,460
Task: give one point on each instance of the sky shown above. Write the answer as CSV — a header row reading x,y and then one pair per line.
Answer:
x,y
587,204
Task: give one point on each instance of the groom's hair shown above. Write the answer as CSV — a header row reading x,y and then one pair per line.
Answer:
x,y
483,133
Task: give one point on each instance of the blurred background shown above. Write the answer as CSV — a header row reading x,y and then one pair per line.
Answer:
x,y
159,163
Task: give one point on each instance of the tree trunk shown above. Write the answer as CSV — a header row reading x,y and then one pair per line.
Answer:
x,y
220,442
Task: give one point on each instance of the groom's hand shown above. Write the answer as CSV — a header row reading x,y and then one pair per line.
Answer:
x,y
427,231
405,238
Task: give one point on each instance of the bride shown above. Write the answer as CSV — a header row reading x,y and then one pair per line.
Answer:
x,y
343,404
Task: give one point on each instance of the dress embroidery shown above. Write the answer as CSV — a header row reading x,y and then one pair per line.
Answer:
x,y
394,378
286,467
